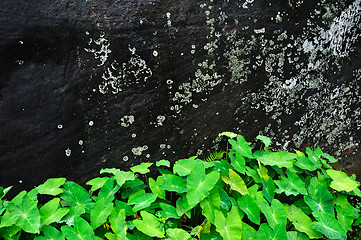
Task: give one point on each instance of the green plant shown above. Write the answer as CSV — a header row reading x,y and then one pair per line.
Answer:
x,y
255,195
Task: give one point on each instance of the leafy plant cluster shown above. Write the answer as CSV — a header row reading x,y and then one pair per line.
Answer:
x,y
246,195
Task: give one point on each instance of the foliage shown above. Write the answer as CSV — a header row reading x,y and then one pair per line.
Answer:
x,y
247,195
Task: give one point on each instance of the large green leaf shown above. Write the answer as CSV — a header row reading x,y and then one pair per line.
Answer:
x,y
73,212
241,146
183,167
173,183
75,195
177,234
155,187
230,228
199,184
142,201
320,199
250,207
248,232
137,235
275,214
142,168
283,186
291,185
235,182
26,214
97,183
150,225
81,230
328,225
346,216
314,157
108,190
51,186
341,182
119,225
305,163
50,212
279,159
211,203
238,162
50,233
100,212
301,221
183,207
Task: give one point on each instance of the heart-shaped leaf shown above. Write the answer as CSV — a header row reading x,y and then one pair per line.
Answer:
x,y
168,211
119,225
50,212
51,186
149,225
97,183
280,159
275,214
177,234
183,167
75,195
341,182
142,201
155,187
266,140
81,230
241,146
305,163
235,182
230,228
238,162
320,199
163,162
250,207
173,183
211,203
328,225
100,212
108,190
142,168
50,233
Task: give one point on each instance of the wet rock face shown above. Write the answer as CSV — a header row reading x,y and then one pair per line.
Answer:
x,y
90,84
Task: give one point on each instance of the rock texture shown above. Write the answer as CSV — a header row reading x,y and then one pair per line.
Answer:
x,y
91,84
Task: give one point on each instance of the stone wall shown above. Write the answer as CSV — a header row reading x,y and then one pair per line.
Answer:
x,y
92,84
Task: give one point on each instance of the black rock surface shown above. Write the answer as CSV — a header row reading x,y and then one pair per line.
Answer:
x,y
88,84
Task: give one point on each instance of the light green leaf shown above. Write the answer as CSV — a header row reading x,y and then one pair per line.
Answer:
x,y
120,176
283,186
230,228
177,234
275,214
329,157
51,186
268,189
142,201
119,225
248,205
168,211
183,167
280,159
100,212
137,235
292,185
155,187
142,168
320,199
173,183
266,140
346,216
50,233
241,146
235,182
108,190
26,214
264,232
211,203
199,184
149,225
97,183
3,191
328,225
238,162
301,221
75,195
293,235
50,212
228,134
341,182
163,162
73,212
81,231
305,163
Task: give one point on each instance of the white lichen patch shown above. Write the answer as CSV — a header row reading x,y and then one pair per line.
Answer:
x,y
67,152
101,50
91,123
160,120
139,150
126,121
81,142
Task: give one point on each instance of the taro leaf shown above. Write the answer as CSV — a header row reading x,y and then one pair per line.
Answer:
x,y
264,232
50,212
73,212
199,184
163,162
248,232
228,134
119,225
249,206
346,216
173,183
150,225
82,230
283,186
51,186
275,214
329,157
238,162
75,195
168,211
100,212
321,200
279,232
268,189
177,234
211,203
230,228
183,167
122,205
26,214
108,190
241,146
279,159
263,172
225,202
293,235
182,207
112,236
328,225
223,167
50,233
120,176
291,185
341,182
97,183
266,140
155,187
137,235
235,182
142,201
314,157
253,174
142,168
301,221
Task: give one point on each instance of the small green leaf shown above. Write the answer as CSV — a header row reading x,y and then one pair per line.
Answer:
x,y
341,182
155,187
268,189
305,163
173,183
142,168
168,211
100,212
177,234
248,205
228,134
230,228
149,225
236,182
266,140
165,163
142,201
329,157
50,212
328,225
4,191
51,186
73,212
81,231
183,167
120,176
280,159
241,146
97,183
